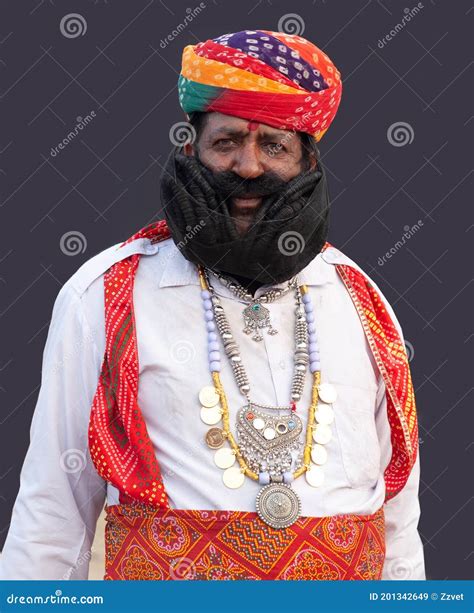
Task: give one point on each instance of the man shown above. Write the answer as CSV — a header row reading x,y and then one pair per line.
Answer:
x,y
240,397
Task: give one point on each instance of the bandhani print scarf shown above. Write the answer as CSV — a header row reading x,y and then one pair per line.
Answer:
x,y
340,547
279,79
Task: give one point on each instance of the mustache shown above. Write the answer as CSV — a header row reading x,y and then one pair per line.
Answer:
x,y
229,184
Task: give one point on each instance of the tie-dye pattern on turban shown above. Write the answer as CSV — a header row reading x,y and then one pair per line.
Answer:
x,y
278,79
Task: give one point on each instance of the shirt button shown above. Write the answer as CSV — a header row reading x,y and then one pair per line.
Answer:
x,y
151,249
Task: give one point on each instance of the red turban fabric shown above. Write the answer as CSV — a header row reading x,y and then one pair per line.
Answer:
x,y
279,79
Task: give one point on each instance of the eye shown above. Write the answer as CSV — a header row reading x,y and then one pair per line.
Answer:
x,y
224,142
275,147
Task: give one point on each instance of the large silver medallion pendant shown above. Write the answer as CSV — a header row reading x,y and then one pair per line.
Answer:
x,y
278,505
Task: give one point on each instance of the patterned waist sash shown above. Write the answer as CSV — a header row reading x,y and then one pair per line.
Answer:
x,y
145,542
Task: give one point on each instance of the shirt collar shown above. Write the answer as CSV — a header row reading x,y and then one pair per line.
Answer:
x,y
177,270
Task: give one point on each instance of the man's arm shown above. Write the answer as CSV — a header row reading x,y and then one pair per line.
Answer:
x,y
404,557
61,495
404,549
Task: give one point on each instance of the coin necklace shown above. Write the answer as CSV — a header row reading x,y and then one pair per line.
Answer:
x,y
266,441
277,504
256,316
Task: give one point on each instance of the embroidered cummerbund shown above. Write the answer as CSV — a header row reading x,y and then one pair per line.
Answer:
x,y
144,542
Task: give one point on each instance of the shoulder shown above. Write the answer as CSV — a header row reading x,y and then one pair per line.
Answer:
x,y
333,256
95,267
84,288
81,298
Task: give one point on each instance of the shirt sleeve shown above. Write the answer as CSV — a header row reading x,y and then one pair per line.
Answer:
x,y
61,495
404,556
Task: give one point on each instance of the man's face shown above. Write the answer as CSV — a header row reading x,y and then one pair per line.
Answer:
x,y
248,149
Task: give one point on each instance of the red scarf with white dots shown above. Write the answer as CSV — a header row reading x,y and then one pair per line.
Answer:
x,y
119,444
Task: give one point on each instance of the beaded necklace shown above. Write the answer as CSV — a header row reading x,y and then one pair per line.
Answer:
x,y
277,504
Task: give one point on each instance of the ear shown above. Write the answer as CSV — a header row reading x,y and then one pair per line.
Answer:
x,y
312,163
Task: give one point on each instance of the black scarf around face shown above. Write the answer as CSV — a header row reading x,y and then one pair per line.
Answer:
x,y
287,232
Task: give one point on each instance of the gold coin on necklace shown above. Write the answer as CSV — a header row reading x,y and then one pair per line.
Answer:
x,y
224,458
211,416
327,393
315,476
233,477
208,396
324,414
215,438
319,455
322,434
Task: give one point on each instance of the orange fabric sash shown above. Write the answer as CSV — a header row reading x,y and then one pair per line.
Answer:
x,y
145,542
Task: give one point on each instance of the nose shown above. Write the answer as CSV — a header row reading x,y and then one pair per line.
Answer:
x,y
247,163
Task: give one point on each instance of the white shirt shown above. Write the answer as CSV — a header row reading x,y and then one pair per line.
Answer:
x,y
61,495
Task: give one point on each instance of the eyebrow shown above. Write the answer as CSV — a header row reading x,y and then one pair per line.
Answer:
x,y
243,133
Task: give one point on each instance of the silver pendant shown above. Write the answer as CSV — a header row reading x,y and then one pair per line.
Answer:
x,y
268,432
256,318
266,440
278,505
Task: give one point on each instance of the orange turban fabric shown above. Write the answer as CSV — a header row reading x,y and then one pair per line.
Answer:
x,y
279,79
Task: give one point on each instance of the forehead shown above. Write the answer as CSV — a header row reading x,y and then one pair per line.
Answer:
x,y
218,123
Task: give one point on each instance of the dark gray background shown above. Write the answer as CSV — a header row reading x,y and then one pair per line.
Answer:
x,y
104,184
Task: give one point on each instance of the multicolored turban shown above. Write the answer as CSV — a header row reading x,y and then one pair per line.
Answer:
x,y
278,79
